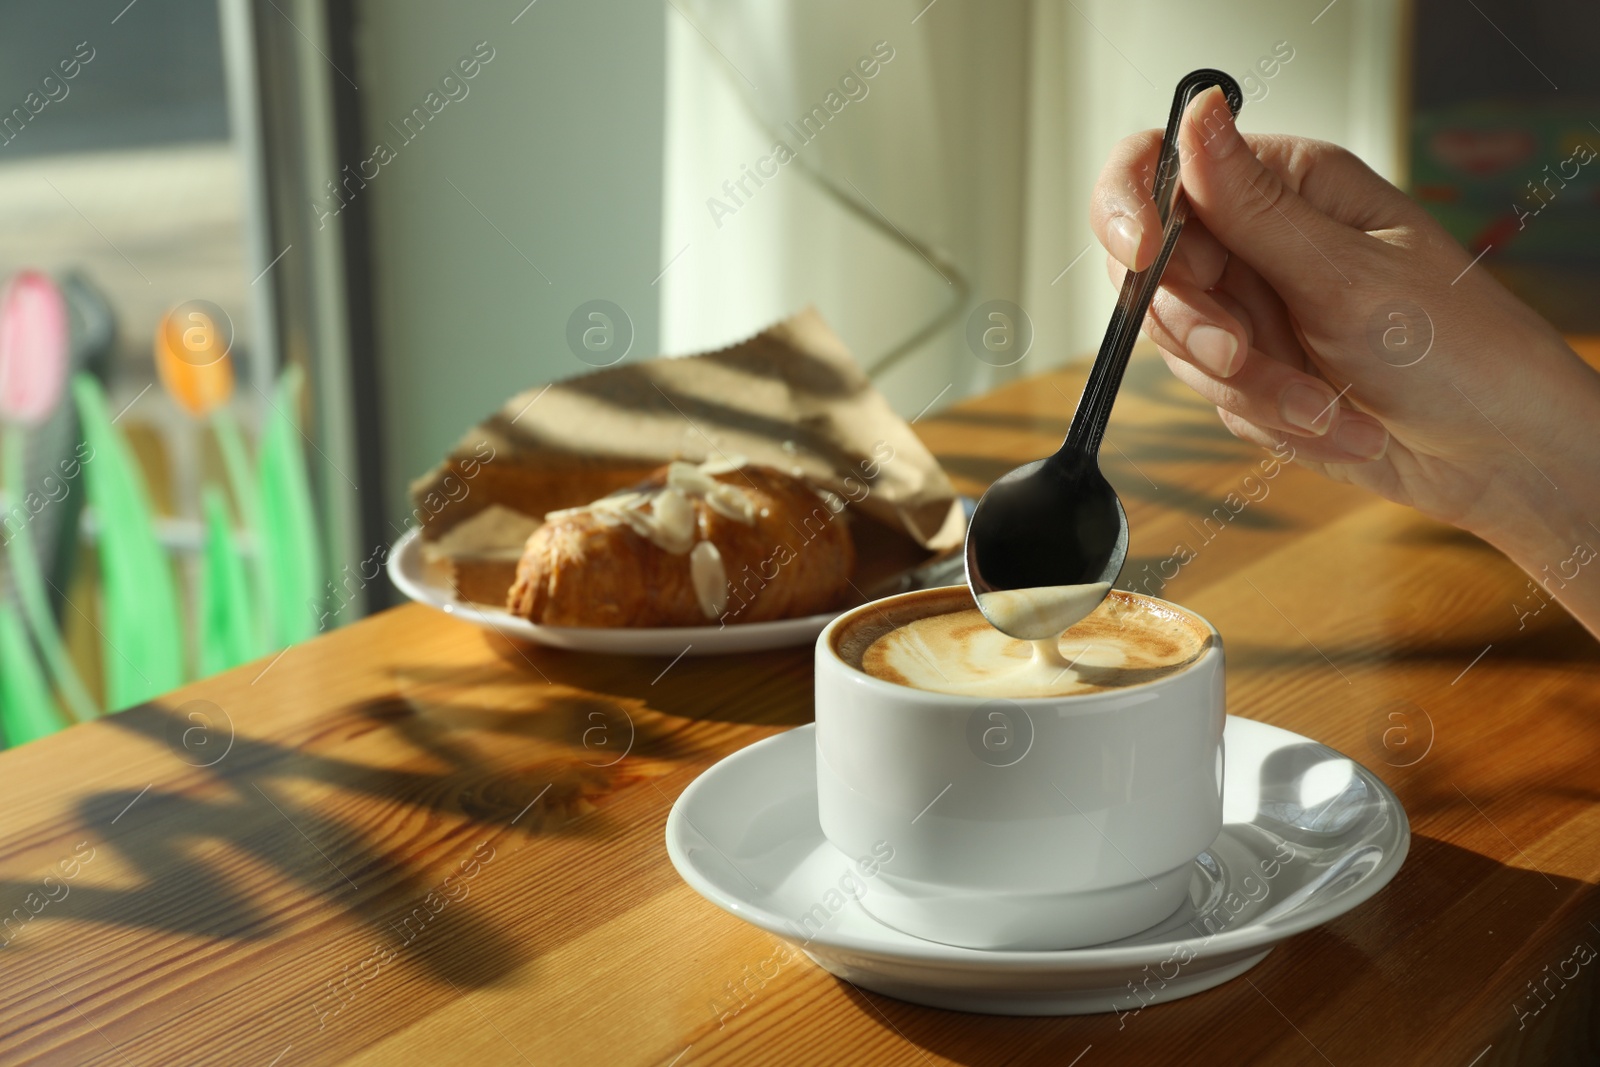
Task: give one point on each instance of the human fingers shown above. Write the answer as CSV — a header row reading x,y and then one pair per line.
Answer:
x,y
1219,328
1123,218
1122,214
1335,181
1256,212
1272,331
1193,324
1276,397
1331,180
1328,449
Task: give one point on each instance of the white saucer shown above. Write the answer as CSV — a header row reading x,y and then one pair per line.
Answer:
x,y
1308,834
408,570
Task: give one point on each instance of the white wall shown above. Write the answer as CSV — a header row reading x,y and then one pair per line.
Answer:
x,y
558,144
982,138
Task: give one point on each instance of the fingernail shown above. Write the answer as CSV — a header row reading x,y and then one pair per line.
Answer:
x,y
1214,348
1362,438
1213,121
1123,235
1308,408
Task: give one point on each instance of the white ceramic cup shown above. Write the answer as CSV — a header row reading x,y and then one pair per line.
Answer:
x,y
1037,823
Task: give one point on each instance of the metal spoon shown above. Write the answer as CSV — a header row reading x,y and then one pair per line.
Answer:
x,y
1049,538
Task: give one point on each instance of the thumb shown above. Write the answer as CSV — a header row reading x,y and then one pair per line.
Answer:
x,y
1253,210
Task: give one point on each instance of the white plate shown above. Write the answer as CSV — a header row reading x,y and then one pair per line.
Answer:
x,y
1308,834
409,573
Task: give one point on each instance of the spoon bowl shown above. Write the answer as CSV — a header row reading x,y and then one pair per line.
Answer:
x,y
1045,524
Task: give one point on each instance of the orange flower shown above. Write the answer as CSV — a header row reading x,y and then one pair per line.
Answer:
x,y
192,344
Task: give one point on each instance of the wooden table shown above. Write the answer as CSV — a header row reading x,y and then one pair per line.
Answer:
x,y
403,843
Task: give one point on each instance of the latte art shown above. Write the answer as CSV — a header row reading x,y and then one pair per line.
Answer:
x,y
1128,640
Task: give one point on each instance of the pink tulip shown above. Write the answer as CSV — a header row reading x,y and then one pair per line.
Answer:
x,y
33,348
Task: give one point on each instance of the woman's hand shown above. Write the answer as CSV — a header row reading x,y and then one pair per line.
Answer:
x,y
1314,303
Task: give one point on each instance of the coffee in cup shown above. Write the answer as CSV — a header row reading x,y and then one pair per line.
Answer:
x,y
1127,641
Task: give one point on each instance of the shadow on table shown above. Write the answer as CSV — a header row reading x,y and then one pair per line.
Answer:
x,y
1561,640
207,850
205,855
1422,966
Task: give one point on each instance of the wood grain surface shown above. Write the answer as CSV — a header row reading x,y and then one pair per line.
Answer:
x,y
411,841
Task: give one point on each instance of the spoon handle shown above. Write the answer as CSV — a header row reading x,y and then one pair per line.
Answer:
x,y
1138,289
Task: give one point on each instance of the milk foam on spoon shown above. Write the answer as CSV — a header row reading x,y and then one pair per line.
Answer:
x,y
1043,612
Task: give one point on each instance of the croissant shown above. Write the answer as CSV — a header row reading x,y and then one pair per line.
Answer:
x,y
688,546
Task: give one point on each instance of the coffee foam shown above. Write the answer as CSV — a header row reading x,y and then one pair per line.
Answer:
x,y
940,642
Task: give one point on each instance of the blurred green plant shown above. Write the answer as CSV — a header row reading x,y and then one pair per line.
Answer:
x,y
33,370
27,709
29,582
289,545
246,491
228,633
245,611
141,635
193,346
